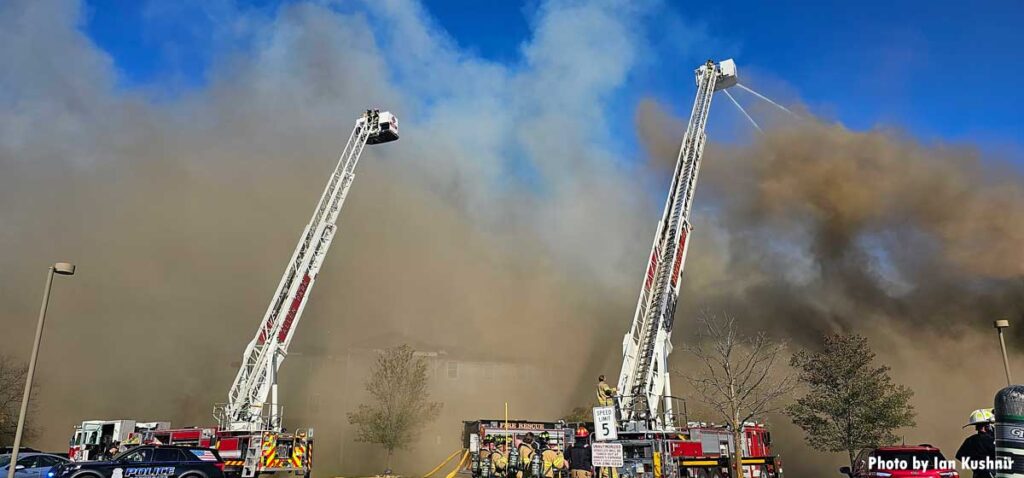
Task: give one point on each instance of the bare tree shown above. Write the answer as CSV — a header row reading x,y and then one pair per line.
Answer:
x,y
737,376
400,401
12,388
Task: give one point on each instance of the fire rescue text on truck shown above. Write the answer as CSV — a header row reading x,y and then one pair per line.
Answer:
x,y
249,435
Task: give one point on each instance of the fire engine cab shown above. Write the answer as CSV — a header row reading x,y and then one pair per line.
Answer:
x,y
93,437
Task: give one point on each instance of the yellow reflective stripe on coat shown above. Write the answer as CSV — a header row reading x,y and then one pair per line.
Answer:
x,y
552,459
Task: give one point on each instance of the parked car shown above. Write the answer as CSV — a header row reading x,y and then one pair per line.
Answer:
x,y
900,461
149,461
31,464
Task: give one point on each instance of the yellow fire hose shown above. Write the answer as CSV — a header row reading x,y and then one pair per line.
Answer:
x,y
443,463
462,462
465,456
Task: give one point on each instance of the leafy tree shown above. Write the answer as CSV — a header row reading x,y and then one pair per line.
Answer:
x,y
400,403
850,404
12,386
738,376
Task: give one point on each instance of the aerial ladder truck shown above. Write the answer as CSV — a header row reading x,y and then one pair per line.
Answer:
x,y
249,434
651,437
653,443
644,376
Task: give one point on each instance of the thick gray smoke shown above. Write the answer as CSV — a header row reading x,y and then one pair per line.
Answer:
x,y
500,228
483,232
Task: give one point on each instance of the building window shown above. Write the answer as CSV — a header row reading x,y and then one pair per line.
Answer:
x,y
452,370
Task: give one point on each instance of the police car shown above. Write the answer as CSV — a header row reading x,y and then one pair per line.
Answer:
x,y
148,461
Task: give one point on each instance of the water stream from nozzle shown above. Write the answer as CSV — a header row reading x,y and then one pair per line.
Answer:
x,y
763,97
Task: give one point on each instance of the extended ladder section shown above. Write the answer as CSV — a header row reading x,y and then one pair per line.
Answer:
x,y
256,380
644,379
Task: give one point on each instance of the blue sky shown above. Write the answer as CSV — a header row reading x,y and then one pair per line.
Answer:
x,y
940,70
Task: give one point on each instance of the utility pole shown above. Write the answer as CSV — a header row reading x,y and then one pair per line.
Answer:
x,y
64,269
1000,325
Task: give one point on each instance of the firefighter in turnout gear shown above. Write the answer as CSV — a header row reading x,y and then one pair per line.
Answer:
x,y
579,455
605,393
488,447
982,445
482,463
526,453
552,459
499,457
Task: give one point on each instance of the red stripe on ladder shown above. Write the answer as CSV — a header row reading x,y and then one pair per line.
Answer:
x,y
293,310
679,258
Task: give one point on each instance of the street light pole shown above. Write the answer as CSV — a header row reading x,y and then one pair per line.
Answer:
x,y
62,268
1000,325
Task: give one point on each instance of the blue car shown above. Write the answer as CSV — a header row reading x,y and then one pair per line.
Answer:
x,y
31,465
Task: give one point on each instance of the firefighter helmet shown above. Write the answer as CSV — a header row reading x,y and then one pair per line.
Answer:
x,y
980,416
582,432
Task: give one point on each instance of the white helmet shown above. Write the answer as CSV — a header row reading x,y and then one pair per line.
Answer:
x,y
980,416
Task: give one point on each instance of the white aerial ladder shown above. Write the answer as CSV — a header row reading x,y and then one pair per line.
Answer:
x,y
247,408
644,379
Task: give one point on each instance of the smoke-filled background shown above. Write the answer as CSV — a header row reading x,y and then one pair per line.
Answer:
x,y
505,228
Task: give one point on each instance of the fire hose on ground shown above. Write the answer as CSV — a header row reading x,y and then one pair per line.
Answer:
x,y
465,455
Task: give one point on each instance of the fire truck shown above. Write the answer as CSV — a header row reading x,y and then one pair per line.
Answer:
x,y
93,438
653,444
698,450
249,435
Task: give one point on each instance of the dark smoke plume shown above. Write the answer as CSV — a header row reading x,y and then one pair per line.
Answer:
x,y
814,228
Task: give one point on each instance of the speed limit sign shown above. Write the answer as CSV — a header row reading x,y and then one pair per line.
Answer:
x,y
604,424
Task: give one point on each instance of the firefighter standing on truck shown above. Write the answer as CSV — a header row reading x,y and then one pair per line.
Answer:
x,y
605,393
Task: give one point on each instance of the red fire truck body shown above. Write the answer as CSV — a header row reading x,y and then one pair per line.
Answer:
x,y
708,448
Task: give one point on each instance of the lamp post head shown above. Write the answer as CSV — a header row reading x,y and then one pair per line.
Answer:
x,y
64,268
1002,324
